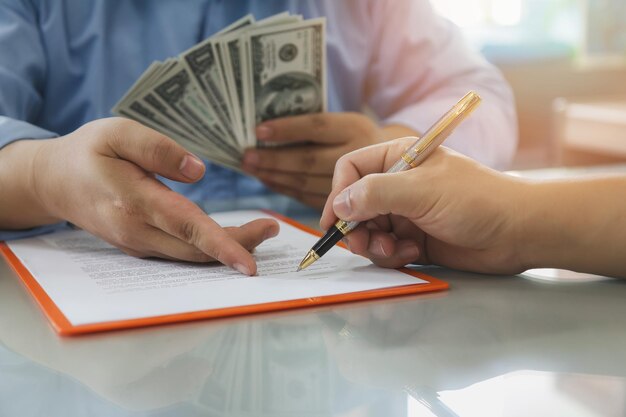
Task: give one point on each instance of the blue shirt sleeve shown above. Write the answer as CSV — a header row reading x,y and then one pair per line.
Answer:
x,y
35,231
22,73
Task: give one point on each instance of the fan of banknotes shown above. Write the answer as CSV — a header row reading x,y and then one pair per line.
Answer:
x,y
211,97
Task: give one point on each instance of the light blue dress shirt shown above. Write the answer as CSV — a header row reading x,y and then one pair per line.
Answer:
x,y
66,62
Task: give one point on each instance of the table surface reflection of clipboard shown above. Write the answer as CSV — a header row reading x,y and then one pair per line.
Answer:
x,y
84,285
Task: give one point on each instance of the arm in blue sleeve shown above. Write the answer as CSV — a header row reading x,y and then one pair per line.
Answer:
x,y
22,74
35,231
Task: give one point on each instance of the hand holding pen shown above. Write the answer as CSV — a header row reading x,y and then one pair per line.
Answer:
x,y
411,158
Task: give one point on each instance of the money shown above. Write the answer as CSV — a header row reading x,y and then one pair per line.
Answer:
x,y
287,76
211,97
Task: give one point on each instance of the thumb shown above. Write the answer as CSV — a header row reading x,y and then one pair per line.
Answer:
x,y
379,194
154,152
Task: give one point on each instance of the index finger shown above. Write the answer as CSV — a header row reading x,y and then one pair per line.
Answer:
x,y
357,164
326,127
183,219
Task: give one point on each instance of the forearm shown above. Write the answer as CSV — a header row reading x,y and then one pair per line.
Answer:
x,y
21,208
415,94
578,225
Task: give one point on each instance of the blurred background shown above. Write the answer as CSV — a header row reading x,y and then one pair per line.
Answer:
x,y
566,62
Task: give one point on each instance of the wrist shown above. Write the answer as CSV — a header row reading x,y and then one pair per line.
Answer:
x,y
43,173
21,207
547,233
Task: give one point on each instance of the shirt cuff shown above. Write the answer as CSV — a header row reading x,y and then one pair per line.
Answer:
x,y
6,235
13,129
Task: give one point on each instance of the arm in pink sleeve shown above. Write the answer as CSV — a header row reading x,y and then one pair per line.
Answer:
x,y
421,66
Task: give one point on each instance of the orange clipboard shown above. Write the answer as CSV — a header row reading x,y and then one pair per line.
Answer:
x,y
63,326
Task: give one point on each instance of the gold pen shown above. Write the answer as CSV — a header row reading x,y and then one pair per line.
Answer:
x,y
412,157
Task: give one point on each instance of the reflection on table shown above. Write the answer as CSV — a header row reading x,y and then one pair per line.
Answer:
x,y
491,345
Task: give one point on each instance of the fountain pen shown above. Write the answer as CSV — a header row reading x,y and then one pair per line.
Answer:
x,y
412,157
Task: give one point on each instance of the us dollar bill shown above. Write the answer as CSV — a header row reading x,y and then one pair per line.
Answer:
x,y
201,61
148,110
178,92
287,74
236,69
204,62
211,97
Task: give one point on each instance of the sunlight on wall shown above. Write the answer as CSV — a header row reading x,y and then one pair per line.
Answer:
x,y
470,13
536,27
506,12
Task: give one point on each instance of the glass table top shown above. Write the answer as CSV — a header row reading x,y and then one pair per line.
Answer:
x,y
545,343
491,345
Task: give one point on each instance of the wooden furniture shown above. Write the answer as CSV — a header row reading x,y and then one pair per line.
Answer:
x,y
589,131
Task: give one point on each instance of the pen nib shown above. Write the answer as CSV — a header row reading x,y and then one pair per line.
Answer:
x,y
308,260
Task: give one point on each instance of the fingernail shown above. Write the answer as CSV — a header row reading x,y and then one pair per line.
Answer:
x,y
341,204
242,268
191,167
264,132
251,159
409,252
376,247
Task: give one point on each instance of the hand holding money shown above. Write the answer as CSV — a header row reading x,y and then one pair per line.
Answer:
x,y
211,97
305,172
114,195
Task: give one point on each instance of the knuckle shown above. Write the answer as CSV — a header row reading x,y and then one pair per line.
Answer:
x,y
300,181
187,231
267,160
201,257
127,213
159,150
116,128
308,160
319,121
365,191
343,164
370,192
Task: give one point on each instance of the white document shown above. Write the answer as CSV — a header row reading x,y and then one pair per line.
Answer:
x,y
93,282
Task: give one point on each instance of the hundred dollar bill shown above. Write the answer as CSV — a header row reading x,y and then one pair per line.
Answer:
x,y
158,117
145,107
212,96
154,116
287,71
235,62
150,99
180,94
203,66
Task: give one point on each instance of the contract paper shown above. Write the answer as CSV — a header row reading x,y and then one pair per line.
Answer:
x,y
93,282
